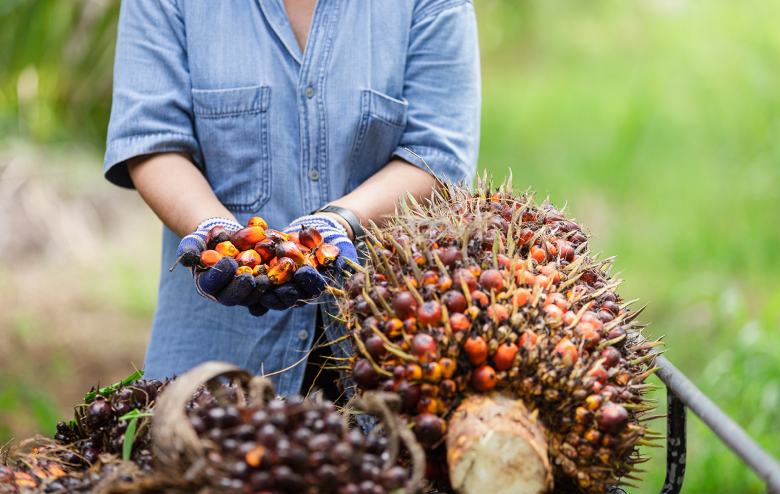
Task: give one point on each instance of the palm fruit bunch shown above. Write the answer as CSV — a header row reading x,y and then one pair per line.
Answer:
x,y
292,446
269,255
485,291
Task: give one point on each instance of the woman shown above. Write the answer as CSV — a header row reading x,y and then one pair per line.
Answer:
x,y
273,108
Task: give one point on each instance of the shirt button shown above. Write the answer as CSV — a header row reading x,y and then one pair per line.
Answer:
x,y
309,92
314,174
303,335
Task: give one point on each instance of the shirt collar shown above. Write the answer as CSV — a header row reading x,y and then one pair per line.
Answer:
x,y
277,17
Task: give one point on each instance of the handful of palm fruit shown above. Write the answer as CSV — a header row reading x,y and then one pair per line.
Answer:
x,y
481,295
270,255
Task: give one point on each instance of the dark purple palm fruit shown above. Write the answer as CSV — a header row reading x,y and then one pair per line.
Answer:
x,y
99,413
143,393
121,401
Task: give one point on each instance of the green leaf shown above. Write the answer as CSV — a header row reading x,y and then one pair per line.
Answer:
x,y
127,447
109,390
135,414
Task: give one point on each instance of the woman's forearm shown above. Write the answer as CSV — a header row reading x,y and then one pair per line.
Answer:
x,y
176,191
378,196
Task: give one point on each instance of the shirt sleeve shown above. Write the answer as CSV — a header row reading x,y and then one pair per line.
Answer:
x,y
443,88
151,110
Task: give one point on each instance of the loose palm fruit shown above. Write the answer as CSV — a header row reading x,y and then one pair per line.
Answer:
x,y
291,250
243,270
257,221
282,271
429,428
612,418
327,253
260,269
246,238
276,236
249,258
484,378
429,313
267,249
505,356
404,304
216,236
309,236
477,349
566,350
209,258
227,249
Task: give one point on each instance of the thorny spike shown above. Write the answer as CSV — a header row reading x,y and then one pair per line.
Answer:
x,y
389,271
647,357
645,375
635,313
651,417
413,291
643,442
626,304
375,258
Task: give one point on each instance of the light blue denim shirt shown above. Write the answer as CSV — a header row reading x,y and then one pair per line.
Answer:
x,y
278,133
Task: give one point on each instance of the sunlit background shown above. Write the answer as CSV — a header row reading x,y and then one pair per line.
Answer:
x,y
657,121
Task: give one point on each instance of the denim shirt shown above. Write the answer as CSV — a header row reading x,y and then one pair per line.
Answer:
x,y
278,132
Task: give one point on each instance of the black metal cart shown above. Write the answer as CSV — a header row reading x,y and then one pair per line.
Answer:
x,y
682,394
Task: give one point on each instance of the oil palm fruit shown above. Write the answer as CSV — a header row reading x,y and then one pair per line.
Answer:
x,y
525,309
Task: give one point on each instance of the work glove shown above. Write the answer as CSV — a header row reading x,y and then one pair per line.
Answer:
x,y
218,282
307,283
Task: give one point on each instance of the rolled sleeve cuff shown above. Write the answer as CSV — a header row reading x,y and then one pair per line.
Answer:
x,y
120,150
439,161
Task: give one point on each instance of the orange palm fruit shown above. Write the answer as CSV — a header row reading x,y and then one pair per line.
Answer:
x,y
257,221
429,278
557,299
448,367
259,269
567,351
249,258
282,271
209,258
291,250
266,248
505,356
432,372
445,283
491,279
539,255
484,378
293,237
459,322
500,312
528,336
551,273
414,372
327,253
243,270
520,297
309,236
246,238
276,235
477,349
311,261
227,249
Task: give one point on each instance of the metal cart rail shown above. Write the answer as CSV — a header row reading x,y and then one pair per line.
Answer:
x,y
683,394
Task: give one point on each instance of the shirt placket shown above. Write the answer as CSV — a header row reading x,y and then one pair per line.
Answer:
x,y
311,104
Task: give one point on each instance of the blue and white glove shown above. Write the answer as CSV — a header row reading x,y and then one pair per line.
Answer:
x,y
219,282
332,233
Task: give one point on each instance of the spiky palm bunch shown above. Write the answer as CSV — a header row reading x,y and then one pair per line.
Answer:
x,y
485,290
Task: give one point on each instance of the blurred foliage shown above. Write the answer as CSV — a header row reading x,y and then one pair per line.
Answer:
x,y
658,121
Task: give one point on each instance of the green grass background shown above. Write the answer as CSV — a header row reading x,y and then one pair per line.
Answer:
x,y
657,121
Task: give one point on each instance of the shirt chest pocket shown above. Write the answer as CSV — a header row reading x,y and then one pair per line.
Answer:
x,y
382,124
232,129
